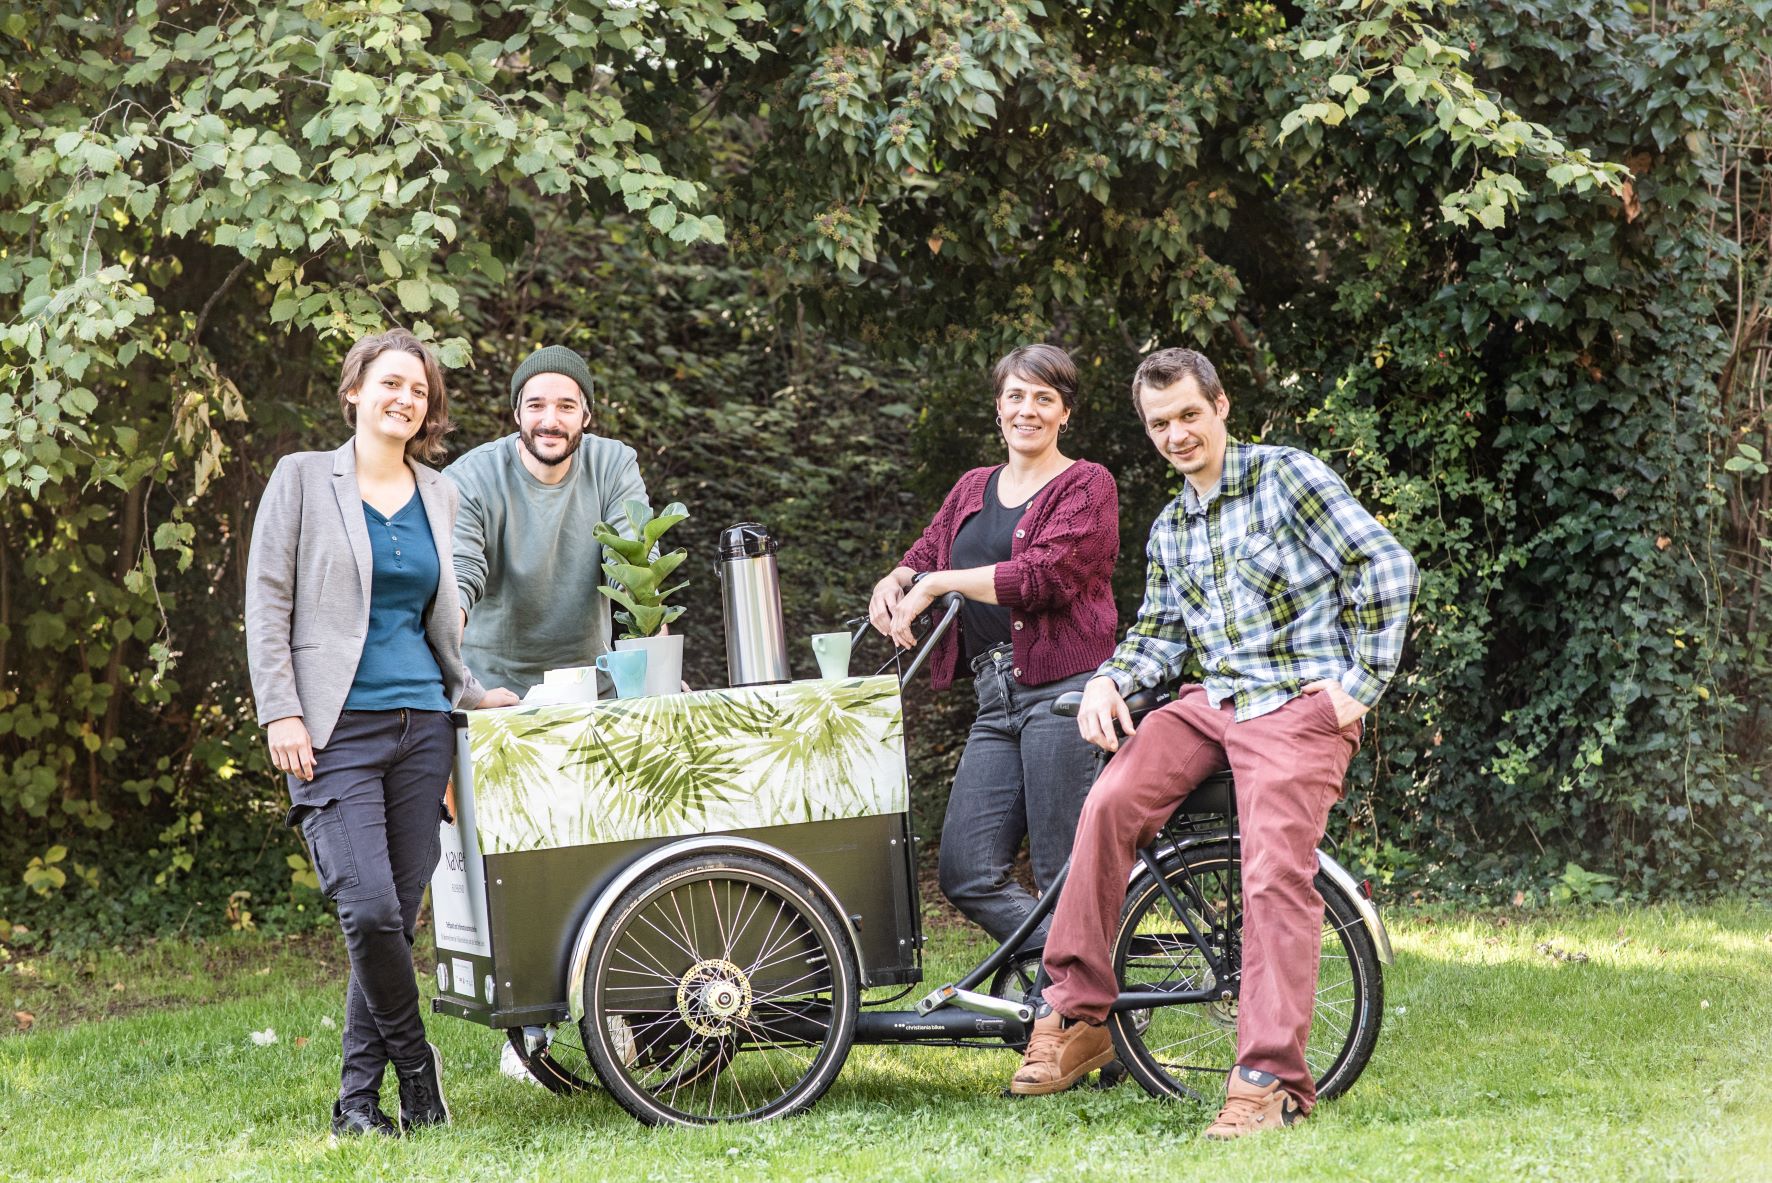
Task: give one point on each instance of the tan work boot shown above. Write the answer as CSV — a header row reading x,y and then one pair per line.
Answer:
x,y
1253,1102
1058,1055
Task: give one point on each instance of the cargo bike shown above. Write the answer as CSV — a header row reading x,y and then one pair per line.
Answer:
x,y
683,899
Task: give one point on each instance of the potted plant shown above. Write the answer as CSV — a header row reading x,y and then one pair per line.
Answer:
x,y
635,578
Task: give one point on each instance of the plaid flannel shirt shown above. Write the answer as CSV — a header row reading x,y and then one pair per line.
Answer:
x,y
1277,579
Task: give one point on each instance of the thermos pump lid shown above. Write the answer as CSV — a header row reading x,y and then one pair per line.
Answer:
x,y
745,540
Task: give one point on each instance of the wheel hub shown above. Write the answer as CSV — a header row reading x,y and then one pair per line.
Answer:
x,y
1221,1011
712,995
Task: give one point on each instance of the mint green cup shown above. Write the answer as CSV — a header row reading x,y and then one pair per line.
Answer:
x,y
627,669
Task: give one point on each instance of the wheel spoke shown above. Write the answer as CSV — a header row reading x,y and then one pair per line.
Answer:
x,y
686,948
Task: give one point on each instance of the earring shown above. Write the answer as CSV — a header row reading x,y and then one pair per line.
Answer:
x,y
1064,427
998,420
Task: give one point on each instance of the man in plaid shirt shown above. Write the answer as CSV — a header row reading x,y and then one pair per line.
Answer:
x,y
1295,601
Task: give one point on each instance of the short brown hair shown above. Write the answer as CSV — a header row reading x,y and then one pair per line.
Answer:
x,y
1046,364
1166,367
427,442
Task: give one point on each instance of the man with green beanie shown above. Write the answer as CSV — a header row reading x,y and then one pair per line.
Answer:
x,y
525,562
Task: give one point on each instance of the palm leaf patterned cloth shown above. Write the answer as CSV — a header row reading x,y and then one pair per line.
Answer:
x,y
696,763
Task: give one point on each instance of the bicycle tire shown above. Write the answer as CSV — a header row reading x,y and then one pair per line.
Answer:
x,y
719,989
1185,1051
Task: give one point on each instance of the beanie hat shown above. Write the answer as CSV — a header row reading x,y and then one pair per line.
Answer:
x,y
552,359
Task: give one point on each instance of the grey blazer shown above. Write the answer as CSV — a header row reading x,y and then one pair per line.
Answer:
x,y
307,589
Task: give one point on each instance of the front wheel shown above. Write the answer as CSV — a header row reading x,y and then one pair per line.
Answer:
x,y
719,988
1187,1051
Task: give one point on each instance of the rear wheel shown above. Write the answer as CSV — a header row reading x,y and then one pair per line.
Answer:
x,y
719,988
1186,1051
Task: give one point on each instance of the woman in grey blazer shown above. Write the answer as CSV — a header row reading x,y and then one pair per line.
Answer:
x,y
353,636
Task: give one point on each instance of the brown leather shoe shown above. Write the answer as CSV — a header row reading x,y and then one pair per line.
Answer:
x,y
1058,1056
1253,1102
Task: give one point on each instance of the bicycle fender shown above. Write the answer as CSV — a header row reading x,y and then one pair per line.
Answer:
x,y
1336,873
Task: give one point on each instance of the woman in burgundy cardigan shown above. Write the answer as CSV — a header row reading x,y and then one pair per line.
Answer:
x,y
1031,546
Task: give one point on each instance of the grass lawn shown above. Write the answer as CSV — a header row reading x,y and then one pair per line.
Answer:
x,y
1505,1055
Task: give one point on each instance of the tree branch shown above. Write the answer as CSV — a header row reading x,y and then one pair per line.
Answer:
x,y
203,316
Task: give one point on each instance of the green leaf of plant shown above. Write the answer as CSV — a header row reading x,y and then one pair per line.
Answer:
x,y
415,294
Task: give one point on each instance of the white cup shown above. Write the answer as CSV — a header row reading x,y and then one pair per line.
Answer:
x,y
832,651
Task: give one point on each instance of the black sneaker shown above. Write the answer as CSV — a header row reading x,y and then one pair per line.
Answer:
x,y
361,1119
421,1092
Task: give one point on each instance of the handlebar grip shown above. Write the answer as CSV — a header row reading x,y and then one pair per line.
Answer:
x,y
1147,699
1140,702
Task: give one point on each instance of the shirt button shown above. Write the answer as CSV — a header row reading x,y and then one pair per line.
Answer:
x,y
396,554
1017,671
1021,533
1018,626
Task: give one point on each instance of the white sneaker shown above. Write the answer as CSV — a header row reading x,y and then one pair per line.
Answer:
x,y
511,1064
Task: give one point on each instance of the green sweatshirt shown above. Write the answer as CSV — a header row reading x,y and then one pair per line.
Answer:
x,y
525,562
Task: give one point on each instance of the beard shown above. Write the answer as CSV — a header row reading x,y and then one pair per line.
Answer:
x,y
566,443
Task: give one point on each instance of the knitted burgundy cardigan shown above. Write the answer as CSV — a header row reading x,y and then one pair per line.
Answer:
x,y
1057,583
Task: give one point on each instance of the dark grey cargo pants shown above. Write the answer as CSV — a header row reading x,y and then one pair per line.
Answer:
x,y
378,791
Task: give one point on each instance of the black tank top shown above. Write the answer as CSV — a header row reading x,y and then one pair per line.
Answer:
x,y
985,538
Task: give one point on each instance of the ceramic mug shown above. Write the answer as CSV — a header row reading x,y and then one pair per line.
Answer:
x,y
627,669
832,651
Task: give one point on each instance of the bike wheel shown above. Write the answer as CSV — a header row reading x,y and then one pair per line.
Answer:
x,y
719,988
1186,1051
561,1063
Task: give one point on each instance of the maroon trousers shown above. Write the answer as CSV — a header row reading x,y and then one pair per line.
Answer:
x,y
1289,766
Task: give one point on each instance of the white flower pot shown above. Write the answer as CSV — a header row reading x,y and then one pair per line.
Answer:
x,y
664,662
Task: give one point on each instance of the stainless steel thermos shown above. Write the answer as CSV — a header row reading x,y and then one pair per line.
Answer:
x,y
750,596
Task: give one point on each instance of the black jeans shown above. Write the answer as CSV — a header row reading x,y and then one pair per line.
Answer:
x,y
1025,772
374,842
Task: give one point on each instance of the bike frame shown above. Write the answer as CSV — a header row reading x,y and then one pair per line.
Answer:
x,y
990,1015
963,992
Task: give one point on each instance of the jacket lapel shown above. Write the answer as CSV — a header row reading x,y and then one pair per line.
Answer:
x,y
435,499
350,506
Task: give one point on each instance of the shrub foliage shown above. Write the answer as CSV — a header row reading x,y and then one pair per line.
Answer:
x,y
1504,265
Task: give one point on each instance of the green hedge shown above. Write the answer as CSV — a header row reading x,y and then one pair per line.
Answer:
x,y
1410,241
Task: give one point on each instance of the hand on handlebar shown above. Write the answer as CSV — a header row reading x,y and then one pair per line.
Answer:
x,y
885,599
912,603
1102,707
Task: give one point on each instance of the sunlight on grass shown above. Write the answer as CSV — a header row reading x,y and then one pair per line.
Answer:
x,y
1574,1045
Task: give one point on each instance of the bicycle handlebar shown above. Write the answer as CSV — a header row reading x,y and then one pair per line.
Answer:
x,y
949,605
1140,702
